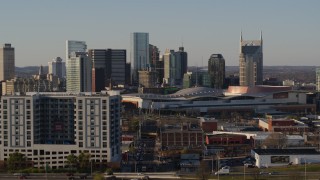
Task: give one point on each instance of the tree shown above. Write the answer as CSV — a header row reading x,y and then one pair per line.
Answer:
x,y
84,162
275,140
16,161
72,161
98,177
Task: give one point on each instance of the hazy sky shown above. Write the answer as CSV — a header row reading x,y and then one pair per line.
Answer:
x,y
38,28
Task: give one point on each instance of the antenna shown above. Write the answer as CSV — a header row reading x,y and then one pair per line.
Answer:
x,y
196,75
181,41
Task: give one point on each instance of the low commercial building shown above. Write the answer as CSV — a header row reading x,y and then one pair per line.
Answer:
x,y
185,136
282,157
283,125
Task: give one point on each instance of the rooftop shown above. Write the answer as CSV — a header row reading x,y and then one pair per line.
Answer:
x,y
286,151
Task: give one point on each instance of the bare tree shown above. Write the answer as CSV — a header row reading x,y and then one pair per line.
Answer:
x,y
276,140
203,172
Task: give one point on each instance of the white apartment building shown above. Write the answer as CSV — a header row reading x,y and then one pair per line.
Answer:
x,y
47,127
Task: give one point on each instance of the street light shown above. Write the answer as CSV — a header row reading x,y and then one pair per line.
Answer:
x,y
305,168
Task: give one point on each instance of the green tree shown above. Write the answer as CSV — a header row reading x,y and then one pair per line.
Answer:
x,y
84,162
16,161
72,161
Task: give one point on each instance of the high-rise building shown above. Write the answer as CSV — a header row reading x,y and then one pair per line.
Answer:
x,y
139,53
75,46
79,72
216,70
108,65
175,66
47,127
251,62
57,67
7,64
118,58
101,69
169,67
147,79
181,59
318,78
154,56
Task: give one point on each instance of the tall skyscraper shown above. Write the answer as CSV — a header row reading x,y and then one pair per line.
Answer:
x,y
318,78
109,65
7,64
139,53
251,62
79,72
216,70
118,58
57,67
169,67
75,46
181,59
101,69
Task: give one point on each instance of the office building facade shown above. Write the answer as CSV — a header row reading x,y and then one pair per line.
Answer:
x,y
181,59
79,72
216,70
169,67
118,58
7,62
47,127
251,62
139,53
108,66
318,78
75,46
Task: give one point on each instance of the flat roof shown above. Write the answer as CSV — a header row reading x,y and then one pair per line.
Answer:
x,y
286,151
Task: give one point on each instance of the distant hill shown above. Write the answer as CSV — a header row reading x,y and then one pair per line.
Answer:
x,y
28,71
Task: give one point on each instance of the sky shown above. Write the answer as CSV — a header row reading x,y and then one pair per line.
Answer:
x,y
38,29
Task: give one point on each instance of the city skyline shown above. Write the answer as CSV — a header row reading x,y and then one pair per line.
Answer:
x,y
289,28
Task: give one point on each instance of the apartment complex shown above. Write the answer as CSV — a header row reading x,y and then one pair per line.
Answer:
x,y
47,127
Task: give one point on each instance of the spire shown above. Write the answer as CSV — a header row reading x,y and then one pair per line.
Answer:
x,y
260,35
241,36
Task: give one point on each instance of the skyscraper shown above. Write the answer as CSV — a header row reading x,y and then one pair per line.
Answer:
x,y
79,72
139,53
7,64
251,62
216,70
169,67
181,59
57,67
108,65
101,69
118,58
75,46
